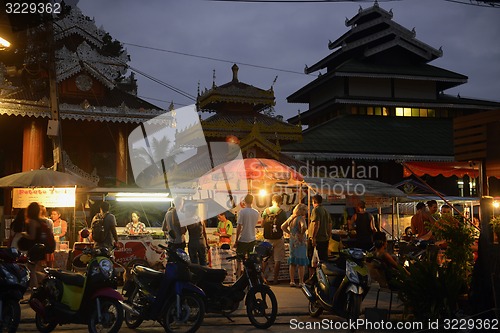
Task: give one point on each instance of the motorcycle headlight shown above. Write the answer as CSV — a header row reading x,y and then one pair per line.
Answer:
x,y
350,271
106,267
183,255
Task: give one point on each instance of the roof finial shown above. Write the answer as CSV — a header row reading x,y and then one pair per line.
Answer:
x,y
171,107
360,9
198,88
299,123
274,82
235,72
375,4
213,79
305,69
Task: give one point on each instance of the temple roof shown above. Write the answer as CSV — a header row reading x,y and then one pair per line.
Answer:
x,y
240,124
235,92
374,35
375,137
444,79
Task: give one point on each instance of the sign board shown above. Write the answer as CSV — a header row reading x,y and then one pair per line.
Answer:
x,y
49,197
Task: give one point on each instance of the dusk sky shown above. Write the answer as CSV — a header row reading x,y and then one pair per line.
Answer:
x,y
283,37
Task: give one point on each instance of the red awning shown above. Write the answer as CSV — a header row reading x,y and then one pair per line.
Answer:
x,y
446,169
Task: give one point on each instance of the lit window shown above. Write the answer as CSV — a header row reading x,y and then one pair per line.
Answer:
x,y
369,111
399,112
423,112
431,113
385,111
378,111
407,112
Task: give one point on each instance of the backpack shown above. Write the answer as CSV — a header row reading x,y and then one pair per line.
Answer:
x,y
272,227
98,233
46,237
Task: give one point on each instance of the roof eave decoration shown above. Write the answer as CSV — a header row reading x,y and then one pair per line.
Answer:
x,y
239,99
40,109
363,12
284,131
255,138
105,69
77,23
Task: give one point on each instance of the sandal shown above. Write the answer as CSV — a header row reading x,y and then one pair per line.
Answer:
x,y
293,285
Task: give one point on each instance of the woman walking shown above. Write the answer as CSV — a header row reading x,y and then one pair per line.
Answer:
x,y
296,227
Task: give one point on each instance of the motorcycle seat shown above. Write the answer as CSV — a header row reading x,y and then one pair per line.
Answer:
x,y
208,274
147,272
69,278
331,269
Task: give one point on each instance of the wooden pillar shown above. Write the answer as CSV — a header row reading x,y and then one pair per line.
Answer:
x,y
121,157
33,145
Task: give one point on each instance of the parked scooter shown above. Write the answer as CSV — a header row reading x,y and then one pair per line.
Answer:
x,y
14,280
339,285
66,297
260,301
167,297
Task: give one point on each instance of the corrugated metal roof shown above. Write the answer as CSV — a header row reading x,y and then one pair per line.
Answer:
x,y
379,135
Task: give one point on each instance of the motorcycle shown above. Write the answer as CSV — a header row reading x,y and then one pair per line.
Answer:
x,y
66,297
224,299
339,285
14,281
167,297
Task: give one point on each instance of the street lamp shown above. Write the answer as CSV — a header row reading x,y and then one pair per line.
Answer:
x,y
4,44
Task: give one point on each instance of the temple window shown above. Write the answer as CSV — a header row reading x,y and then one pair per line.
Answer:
x,y
416,112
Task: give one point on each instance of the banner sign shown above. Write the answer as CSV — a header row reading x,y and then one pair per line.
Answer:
x,y
49,197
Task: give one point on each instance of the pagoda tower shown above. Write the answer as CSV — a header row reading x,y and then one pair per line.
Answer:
x,y
242,114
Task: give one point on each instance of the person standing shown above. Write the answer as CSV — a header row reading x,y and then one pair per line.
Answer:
x,y
272,219
245,231
33,229
109,220
198,240
17,227
417,221
49,257
362,222
319,232
172,228
60,226
295,225
224,229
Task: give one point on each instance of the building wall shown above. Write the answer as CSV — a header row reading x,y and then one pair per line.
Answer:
x,y
369,87
414,89
325,92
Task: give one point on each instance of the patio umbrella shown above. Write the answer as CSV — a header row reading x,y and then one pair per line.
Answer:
x,y
43,178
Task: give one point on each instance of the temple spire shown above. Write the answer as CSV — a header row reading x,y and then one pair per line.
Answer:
x,y
235,72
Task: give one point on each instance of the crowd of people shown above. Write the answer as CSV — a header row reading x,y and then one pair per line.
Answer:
x,y
306,237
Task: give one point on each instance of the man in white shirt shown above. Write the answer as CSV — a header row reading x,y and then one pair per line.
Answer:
x,y
245,232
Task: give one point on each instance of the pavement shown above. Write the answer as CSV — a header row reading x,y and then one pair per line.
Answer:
x,y
292,312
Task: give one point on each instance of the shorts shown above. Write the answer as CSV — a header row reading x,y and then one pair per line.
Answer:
x,y
278,248
243,248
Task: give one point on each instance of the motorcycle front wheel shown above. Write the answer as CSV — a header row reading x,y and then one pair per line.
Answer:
x,y
44,326
131,320
314,309
188,319
262,307
353,308
11,314
111,317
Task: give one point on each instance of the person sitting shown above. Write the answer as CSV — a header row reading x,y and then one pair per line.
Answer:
x,y
135,227
388,264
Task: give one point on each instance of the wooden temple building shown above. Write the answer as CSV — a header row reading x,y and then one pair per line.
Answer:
x,y
381,103
98,105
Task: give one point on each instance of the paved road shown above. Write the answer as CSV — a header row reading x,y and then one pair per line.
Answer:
x,y
292,317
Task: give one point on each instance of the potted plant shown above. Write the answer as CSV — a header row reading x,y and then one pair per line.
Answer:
x,y
495,226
